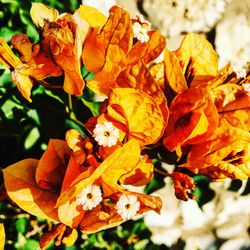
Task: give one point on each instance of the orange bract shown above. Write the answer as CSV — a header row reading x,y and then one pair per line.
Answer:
x,y
138,113
193,118
183,184
63,38
225,154
197,48
111,51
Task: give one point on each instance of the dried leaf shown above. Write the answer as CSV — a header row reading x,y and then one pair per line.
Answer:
x,y
21,187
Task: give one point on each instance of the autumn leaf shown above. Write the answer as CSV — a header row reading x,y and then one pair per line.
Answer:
x,y
52,165
193,118
138,112
21,187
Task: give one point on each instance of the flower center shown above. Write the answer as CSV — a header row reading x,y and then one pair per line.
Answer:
x,y
127,206
89,195
106,133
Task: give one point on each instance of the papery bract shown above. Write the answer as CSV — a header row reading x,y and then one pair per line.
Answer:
x,y
52,165
138,77
138,112
183,185
197,48
225,154
63,38
107,50
21,187
193,118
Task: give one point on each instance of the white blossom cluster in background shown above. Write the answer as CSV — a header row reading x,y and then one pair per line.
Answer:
x,y
232,39
174,17
225,218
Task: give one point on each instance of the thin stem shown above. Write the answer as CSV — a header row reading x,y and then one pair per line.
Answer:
x,y
49,86
70,103
161,172
73,117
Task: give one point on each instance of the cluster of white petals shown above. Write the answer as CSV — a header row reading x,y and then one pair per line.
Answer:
x,y
102,5
141,28
232,33
225,217
127,206
106,134
240,68
90,197
176,17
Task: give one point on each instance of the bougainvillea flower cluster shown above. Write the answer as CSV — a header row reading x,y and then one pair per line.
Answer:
x,y
182,108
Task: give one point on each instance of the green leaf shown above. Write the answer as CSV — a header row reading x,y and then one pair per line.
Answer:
x,y
32,245
7,33
32,138
21,225
93,106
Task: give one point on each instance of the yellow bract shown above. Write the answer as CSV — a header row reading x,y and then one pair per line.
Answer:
x,y
197,48
139,113
21,187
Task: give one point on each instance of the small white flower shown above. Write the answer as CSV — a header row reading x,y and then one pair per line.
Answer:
x,y
240,68
106,134
90,197
246,87
141,32
127,206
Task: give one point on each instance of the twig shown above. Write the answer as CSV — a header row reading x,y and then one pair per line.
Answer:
x,y
161,172
49,86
